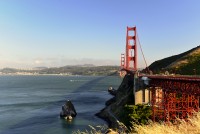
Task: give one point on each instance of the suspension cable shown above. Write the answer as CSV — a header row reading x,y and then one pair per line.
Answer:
x,y
142,52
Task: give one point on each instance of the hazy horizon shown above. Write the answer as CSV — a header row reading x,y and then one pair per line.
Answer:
x,y
32,67
75,62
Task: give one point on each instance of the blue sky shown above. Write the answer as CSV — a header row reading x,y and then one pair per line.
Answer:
x,y
56,33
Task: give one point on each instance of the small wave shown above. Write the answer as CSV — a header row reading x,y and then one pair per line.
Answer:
x,y
31,104
78,80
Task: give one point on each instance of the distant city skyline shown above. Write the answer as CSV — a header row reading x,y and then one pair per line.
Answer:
x,y
54,33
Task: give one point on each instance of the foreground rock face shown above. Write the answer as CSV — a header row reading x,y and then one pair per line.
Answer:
x,y
68,111
113,106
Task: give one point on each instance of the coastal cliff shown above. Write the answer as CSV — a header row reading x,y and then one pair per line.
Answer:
x,y
112,113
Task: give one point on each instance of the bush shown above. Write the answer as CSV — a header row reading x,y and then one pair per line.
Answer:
x,y
137,114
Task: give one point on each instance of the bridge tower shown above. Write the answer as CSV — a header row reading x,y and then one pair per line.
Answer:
x,y
131,49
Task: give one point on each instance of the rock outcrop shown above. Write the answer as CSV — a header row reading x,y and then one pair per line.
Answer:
x,y
111,113
68,111
112,91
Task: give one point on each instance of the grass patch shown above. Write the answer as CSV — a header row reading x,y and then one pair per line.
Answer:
x,y
192,126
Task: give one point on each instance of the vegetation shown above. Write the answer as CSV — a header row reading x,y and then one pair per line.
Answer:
x,y
186,63
139,114
192,67
79,70
192,126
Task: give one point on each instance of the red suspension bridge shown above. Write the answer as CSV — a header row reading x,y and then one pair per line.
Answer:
x,y
171,96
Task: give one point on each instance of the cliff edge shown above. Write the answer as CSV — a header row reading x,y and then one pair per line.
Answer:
x,y
124,95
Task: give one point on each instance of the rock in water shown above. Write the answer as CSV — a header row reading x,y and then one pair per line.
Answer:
x,y
112,91
68,111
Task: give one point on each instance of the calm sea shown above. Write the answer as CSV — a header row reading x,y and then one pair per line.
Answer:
x,y
31,104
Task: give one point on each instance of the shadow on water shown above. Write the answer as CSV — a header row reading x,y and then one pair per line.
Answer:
x,y
49,116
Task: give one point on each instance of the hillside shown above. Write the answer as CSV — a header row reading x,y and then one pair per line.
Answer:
x,y
67,70
81,70
187,63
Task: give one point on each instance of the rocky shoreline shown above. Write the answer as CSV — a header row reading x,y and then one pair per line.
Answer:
x,y
122,96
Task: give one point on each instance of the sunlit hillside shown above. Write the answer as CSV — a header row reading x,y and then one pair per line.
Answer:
x,y
186,63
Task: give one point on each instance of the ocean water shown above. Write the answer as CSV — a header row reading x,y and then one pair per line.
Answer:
x,y
31,104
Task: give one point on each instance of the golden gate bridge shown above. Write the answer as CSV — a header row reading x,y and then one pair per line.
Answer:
x,y
171,97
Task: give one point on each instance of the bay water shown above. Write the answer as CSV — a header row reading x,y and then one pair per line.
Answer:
x,y
32,104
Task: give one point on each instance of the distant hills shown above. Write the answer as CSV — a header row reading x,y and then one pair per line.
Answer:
x,y
187,63
82,70
86,69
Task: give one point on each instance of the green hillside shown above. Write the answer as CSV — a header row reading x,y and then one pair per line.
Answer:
x,y
187,63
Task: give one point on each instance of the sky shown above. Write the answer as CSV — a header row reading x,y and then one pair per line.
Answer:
x,y
54,33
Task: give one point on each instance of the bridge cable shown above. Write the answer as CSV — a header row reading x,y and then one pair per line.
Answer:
x,y
142,52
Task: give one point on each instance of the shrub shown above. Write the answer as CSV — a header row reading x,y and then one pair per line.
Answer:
x,y
138,114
